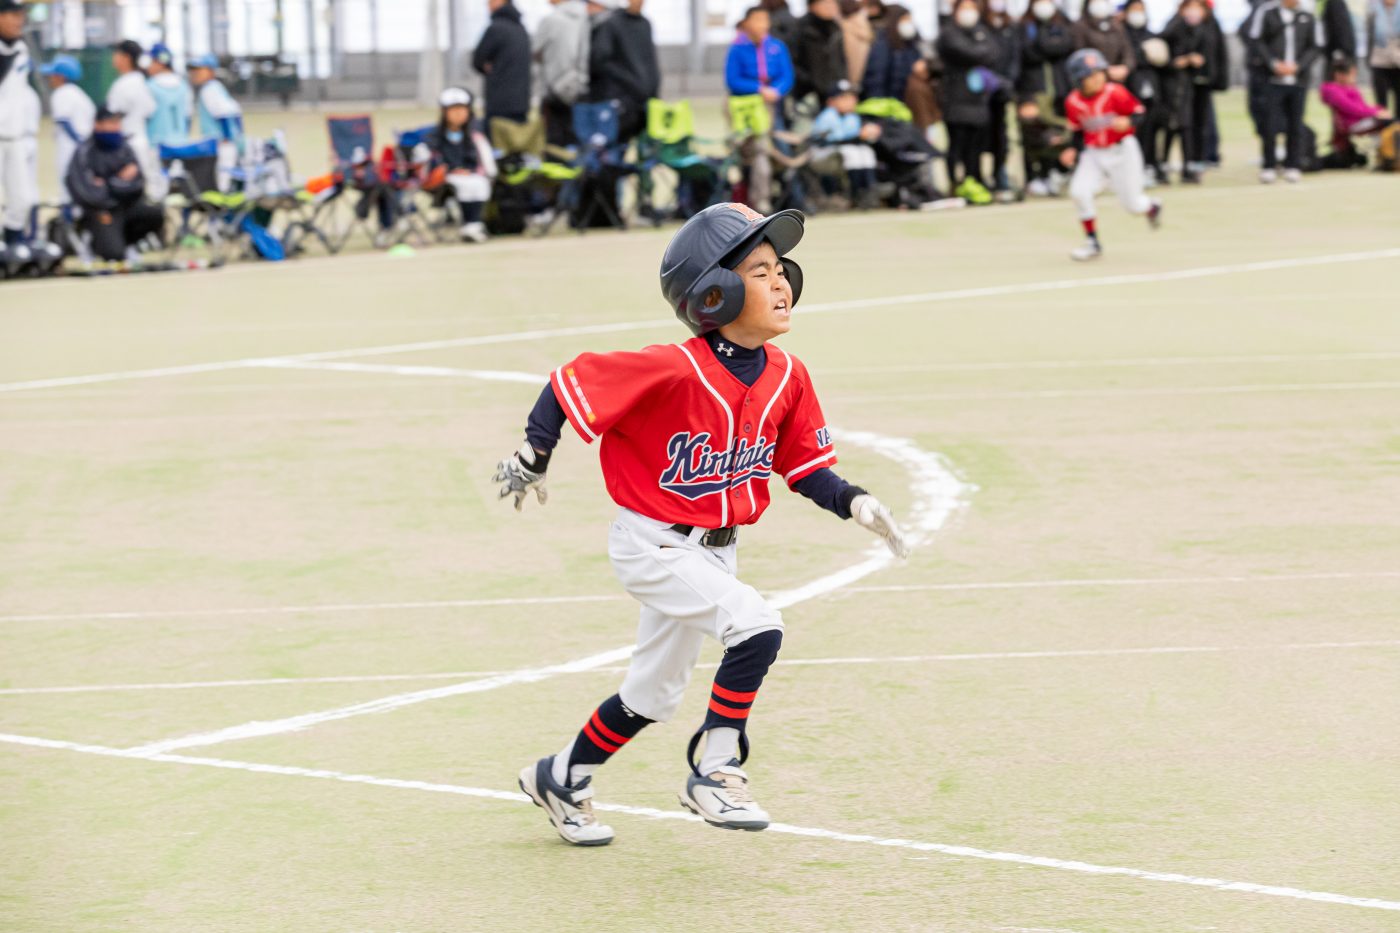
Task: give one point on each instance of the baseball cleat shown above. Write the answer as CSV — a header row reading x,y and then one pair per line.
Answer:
x,y
1154,215
570,809
1268,176
1088,251
723,799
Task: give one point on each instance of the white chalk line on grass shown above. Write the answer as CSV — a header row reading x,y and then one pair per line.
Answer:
x,y
784,829
887,301
781,662
1088,582
1155,392
937,494
1132,362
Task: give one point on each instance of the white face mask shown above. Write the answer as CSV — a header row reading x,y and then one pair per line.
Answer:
x,y
1137,19
1100,9
997,6
907,30
1043,9
967,18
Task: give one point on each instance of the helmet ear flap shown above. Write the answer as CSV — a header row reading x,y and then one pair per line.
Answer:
x,y
714,300
794,276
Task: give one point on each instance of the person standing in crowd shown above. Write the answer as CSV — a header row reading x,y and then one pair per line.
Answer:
x,y
1098,28
458,149
781,23
1008,69
131,97
220,117
1146,83
894,57
1046,40
503,58
969,53
857,36
819,57
561,46
1337,29
1383,39
170,122
624,67
1195,56
19,128
106,182
73,114
759,64
1289,39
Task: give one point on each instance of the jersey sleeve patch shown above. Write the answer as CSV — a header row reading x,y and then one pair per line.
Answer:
x,y
597,390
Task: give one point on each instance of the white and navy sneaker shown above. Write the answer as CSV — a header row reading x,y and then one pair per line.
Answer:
x,y
1088,251
570,809
723,799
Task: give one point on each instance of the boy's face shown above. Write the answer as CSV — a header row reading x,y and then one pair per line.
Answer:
x,y
1093,84
1347,77
56,82
767,299
844,103
756,26
11,25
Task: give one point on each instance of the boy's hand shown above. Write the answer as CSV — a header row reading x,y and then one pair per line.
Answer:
x,y
521,473
870,514
1068,157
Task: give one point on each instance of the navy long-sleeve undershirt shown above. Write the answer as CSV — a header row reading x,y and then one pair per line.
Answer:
x,y
824,487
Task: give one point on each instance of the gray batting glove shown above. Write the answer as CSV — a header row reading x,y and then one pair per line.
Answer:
x,y
870,513
517,477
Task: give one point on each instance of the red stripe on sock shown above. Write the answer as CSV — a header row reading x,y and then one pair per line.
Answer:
x,y
728,711
597,740
607,733
733,696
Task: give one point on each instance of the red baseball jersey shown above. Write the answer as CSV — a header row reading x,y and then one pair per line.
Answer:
x,y
1094,116
683,440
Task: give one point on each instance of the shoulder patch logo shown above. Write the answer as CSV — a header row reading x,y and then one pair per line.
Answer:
x,y
823,437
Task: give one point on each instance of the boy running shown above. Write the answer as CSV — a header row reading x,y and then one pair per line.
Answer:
x,y
690,434
1106,150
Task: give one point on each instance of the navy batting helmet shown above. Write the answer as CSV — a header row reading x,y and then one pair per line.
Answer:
x,y
1084,63
702,255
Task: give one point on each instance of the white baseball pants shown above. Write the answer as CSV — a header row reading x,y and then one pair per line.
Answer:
x,y
687,592
1119,167
19,180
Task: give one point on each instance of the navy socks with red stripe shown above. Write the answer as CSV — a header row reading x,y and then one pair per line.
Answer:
x,y
611,726
1091,228
732,696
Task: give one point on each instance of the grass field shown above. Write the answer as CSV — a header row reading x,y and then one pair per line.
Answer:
x,y
1142,674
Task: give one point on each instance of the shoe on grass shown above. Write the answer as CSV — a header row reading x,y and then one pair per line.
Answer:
x,y
570,809
722,798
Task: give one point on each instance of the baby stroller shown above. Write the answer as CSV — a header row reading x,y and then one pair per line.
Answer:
x,y
903,154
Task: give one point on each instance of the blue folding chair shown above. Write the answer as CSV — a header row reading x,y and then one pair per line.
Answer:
x,y
603,160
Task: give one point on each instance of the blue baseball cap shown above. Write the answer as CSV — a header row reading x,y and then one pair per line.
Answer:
x,y
160,52
205,61
65,65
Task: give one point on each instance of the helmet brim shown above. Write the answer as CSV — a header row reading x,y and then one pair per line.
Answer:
x,y
783,230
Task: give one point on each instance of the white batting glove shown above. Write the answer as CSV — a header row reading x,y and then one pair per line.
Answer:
x,y
870,513
517,477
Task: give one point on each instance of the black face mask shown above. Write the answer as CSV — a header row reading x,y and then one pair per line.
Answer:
x,y
108,141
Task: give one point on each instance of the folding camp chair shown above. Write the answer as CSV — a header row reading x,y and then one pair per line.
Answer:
x,y
203,217
603,159
378,184
534,180
668,146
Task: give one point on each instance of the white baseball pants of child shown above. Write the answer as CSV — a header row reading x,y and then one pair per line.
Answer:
x,y
688,592
19,180
1119,167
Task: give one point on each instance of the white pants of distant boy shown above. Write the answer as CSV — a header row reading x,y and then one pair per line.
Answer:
x,y
688,592
19,180
1119,167
853,156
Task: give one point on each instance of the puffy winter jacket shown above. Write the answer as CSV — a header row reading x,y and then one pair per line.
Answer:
x,y
968,55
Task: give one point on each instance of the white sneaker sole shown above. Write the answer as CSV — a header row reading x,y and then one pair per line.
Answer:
x,y
527,786
751,826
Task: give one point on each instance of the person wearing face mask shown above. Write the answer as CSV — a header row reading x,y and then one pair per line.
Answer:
x,y
894,56
1196,57
1047,41
1146,83
106,181
1007,69
1099,29
1289,40
969,53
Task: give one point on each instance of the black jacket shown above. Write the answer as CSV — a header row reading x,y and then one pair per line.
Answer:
x,y
1268,35
622,60
503,56
455,155
1008,40
93,177
819,57
1340,31
1044,48
967,97
1204,39
1146,82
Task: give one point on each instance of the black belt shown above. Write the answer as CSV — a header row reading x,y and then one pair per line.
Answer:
x,y
715,537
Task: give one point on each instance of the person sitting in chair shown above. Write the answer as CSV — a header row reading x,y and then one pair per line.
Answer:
x,y
461,157
106,181
838,129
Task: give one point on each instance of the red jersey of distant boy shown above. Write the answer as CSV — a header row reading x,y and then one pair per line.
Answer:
x,y
1094,116
683,440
